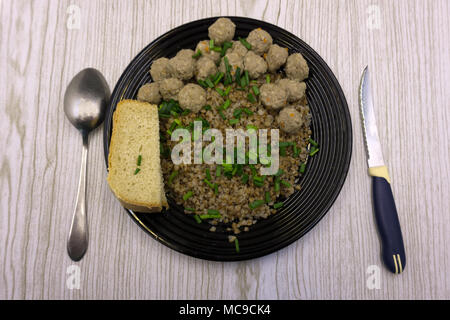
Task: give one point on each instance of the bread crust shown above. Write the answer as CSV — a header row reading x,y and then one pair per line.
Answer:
x,y
148,206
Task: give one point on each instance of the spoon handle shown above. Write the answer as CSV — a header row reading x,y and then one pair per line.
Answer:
x,y
78,236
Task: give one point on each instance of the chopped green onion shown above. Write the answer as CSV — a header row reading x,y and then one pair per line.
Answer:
x,y
236,245
285,144
209,83
234,121
253,169
188,195
218,171
227,45
210,216
207,107
197,218
238,75
255,90
251,97
314,143
250,127
268,78
245,43
226,104
277,184
247,111
283,151
137,171
313,151
227,90
202,83
218,77
302,168
190,209
197,54
296,151
278,205
208,183
139,160
267,197
185,112
286,184
247,80
222,115
211,43
255,204
227,64
220,91
208,174
245,178
237,112
172,175
217,49
212,211
279,173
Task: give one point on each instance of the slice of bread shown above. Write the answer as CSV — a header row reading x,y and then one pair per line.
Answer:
x,y
136,133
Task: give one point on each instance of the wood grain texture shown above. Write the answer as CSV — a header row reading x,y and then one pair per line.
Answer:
x,y
409,57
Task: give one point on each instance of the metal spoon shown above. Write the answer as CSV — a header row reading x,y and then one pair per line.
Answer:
x,y
85,102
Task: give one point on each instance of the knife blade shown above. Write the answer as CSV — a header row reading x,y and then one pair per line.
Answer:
x,y
386,216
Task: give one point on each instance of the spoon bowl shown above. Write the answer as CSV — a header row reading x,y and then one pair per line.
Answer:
x,y
85,102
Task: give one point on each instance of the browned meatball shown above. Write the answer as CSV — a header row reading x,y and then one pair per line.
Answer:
x,y
296,90
273,96
204,67
260,41
149,92
169,88
203,46
222,30
159,69
192,97
290,120
239,48
296,67
276,57
255,65
234,60
182,65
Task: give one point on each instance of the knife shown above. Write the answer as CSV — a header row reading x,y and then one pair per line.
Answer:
x,y
392,248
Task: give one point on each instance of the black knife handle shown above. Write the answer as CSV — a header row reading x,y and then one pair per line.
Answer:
x,y
392,248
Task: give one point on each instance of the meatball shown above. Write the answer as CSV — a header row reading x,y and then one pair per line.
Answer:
x,y
160,69
222,30
203,46
276,57
255,65
192,97
149,92
204,67
296,90
260,41
273,96
169,88
234,60
182,65
290,120
296,67
239,48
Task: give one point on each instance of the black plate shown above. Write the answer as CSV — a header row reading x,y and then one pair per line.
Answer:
x,y
321,184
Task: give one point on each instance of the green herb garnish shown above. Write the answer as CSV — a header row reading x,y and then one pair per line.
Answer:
x,y
245,43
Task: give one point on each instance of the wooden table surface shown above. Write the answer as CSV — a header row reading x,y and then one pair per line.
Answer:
x,y
44,44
